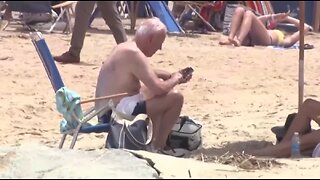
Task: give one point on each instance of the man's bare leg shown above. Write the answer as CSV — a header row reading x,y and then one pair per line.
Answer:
x,y
169,108
156,121
236,21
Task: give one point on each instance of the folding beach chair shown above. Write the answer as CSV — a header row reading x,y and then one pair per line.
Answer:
x,y
58,85
66,9
30,12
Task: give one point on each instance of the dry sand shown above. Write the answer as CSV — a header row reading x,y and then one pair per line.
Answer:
x,y
238,93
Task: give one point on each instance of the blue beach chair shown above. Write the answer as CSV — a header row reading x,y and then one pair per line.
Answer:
x,y
79,120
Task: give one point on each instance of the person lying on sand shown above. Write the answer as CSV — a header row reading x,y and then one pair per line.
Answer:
x,y
248,30
127,66
309,110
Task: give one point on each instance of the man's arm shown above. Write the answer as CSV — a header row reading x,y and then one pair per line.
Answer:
x,y
144,72
162,74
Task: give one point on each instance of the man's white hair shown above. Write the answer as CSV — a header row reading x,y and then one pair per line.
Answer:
x,y
150,26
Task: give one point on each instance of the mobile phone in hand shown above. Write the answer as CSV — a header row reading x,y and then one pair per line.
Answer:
x,y
187,71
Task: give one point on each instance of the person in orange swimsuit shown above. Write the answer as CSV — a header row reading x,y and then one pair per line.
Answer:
x,y
248,30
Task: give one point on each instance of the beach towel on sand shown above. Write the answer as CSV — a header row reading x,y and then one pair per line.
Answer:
x,y
68,104
295,46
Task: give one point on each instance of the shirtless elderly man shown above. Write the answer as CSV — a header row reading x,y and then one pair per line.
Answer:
x,y
127,66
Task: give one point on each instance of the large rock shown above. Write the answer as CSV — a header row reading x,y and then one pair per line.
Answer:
x,y
35,161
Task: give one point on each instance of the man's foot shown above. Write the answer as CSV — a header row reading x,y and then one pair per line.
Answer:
x,y
67,57
173,152
167,151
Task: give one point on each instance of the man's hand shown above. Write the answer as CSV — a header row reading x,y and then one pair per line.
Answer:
x,y
186,79
181,79
186,74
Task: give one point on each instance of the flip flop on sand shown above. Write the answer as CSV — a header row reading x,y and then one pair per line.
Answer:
x,y
308,46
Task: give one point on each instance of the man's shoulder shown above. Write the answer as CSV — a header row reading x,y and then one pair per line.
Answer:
x,y
129,52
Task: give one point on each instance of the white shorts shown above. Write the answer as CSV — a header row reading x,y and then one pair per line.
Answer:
x,y
132,105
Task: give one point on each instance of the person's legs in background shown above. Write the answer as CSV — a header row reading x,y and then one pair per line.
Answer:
x,y
254,27
112,18
308,111
95,13
236,22
83,13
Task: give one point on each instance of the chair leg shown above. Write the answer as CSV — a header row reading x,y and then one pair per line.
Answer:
x,y
4,24
59,17
62,140
75,136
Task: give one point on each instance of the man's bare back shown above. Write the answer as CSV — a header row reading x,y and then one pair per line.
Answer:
x,y
116,75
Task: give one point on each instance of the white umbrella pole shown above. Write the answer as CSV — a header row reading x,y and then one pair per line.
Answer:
x,y
301,51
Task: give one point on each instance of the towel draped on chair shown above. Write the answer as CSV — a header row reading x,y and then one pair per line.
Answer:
x,y
68,104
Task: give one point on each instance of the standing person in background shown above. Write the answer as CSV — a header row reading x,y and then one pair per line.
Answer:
x,y
83,13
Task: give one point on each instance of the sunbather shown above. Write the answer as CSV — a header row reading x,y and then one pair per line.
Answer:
x,y
127,66
309,110
247,29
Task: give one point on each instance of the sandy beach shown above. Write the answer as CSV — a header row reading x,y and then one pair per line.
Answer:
x,y
238,93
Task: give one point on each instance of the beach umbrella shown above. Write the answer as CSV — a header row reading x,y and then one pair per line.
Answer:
x,y
301,52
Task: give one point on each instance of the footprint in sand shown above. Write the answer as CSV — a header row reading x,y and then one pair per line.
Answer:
x,y
31,133
23,36
78,76
6,58
221,126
